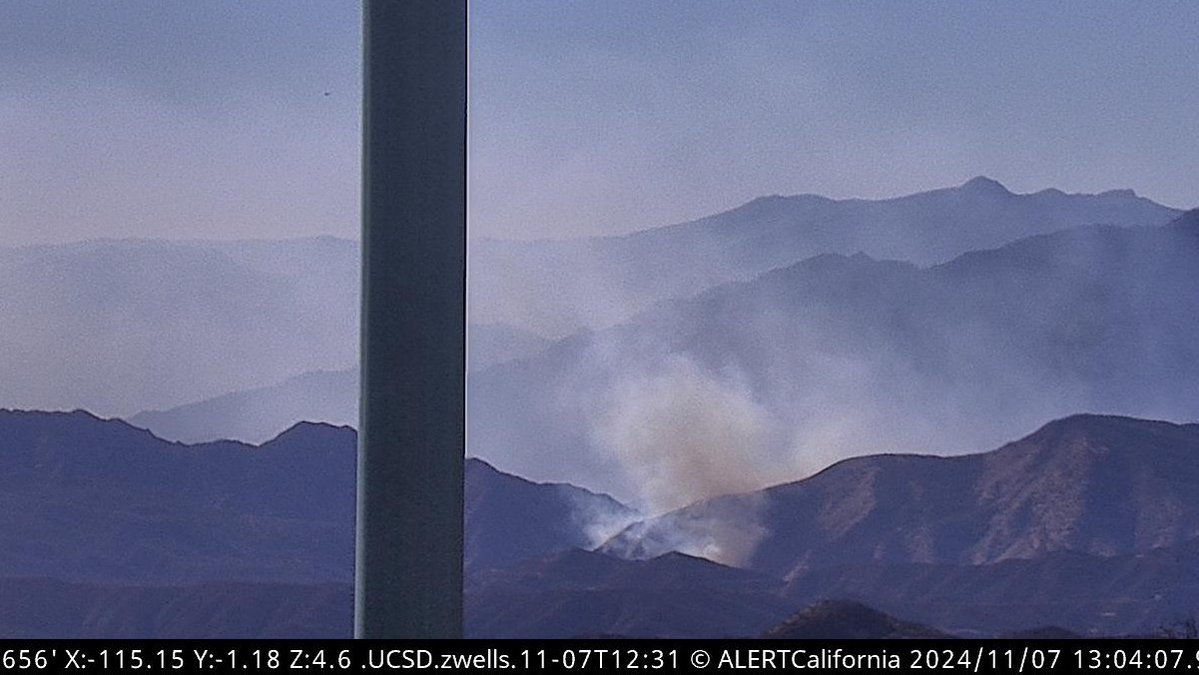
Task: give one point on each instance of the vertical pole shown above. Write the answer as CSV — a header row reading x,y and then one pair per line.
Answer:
x,y
408,577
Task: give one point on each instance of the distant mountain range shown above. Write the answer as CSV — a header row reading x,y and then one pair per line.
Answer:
x,y
786,389
560,287
838,356
983,346
124,326
257,415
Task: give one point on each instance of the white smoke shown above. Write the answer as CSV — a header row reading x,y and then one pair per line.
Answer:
x,y
599,522
682,435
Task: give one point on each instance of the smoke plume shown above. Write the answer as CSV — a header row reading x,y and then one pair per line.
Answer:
x,y
681,435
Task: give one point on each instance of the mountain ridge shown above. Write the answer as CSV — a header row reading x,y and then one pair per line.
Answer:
x,y
256,415
1095,318
566,285
1050,491
293,571
128,507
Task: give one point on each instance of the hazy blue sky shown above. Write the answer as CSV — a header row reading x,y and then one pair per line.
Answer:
x,y
208,118
189,118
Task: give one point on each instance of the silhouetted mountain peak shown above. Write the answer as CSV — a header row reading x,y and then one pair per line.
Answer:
x,y
75,423
1051,192
482,466
841,619
309,427
835,259
479,469
482,470
77,415
678,556
830,267
832,261
1095,420
984,185
1102,430
309,431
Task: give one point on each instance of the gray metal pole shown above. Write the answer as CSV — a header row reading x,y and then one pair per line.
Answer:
x,y
408,577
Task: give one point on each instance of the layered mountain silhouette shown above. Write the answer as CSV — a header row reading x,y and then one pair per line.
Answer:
x,y
840,620
787,387
1088,524
92,500
257,415
559,287
99,501
113,532
963,354
840,356
124,326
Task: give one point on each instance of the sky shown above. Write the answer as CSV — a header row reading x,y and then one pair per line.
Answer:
x,y
210,119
